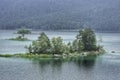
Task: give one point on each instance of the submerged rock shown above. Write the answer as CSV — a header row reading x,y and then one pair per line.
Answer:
x,y
112,51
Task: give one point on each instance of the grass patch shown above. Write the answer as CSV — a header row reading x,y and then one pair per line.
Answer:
x,y
32,56
50,56
6,55
27,55
16,39
19,38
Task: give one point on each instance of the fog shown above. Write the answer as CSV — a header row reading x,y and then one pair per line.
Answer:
x,y
101,15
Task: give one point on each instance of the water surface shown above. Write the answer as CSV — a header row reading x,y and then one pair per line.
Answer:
x,y
106,67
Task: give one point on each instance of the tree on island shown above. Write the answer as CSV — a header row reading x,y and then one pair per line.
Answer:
x,y
44,43
85,41
41,45
23,31
57,46
88,39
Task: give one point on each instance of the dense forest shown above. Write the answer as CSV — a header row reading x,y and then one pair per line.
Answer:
x,y
101,15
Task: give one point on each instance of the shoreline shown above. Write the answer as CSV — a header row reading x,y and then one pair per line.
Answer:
x,y
45,56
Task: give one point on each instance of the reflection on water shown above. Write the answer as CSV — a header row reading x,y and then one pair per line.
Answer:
x,y
88,68
106,67
86,62
56,64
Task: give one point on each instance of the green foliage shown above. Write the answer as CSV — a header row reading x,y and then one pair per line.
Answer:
x,y
85,41
57,45
77,45
43,38
29,48
19,38
42,45
6,55
88,38
74,45
27,55
23,32
66,49
69,45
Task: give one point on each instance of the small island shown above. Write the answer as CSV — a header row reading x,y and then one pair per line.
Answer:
x,y
85,44
22,33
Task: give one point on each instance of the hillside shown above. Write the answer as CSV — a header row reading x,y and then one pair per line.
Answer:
x,y
102,15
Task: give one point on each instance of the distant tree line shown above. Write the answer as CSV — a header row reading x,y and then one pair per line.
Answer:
x,y
85,41
102,15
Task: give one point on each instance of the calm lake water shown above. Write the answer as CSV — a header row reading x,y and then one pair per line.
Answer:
x,y
106,67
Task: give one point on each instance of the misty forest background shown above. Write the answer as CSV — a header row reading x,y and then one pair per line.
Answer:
x,y
101,15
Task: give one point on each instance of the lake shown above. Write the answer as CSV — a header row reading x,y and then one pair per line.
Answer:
x,y
105,67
